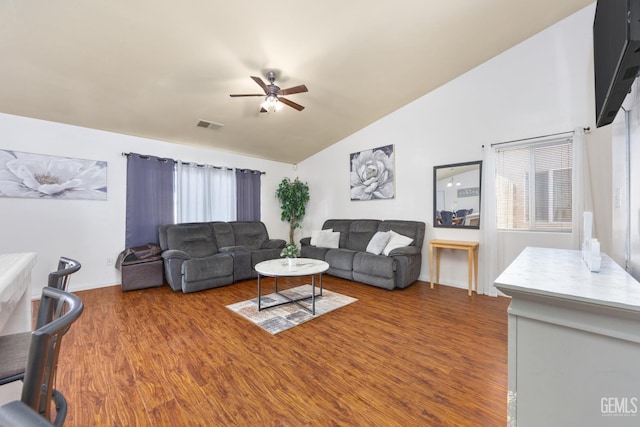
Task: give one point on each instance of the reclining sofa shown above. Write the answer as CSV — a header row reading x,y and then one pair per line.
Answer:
x,y
355,255
199,256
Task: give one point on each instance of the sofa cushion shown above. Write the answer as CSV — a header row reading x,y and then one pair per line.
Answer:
x,y
413,229
249,234
316,234
341,259
374,265
224,234
328,240
341,226
360,233
194,239
219,265
378,242
396,241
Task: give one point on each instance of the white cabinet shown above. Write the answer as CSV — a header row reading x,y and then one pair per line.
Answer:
x,y
574,341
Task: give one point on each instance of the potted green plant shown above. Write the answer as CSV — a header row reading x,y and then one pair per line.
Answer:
x,y
293,197
291,252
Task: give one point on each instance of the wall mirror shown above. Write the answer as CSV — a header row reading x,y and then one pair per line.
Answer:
x,y
456,195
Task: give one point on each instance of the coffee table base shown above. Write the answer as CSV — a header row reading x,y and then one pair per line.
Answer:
x,y
313,295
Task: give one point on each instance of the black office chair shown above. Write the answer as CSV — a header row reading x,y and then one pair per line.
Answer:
x,y
14,347
447,217
59,279
42,362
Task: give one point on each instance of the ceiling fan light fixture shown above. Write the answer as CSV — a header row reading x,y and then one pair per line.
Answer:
x,y
271,103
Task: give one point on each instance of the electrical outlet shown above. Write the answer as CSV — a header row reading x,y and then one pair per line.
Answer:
x,y
110,262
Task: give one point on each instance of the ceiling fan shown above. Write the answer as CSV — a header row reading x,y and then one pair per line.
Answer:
x,y
273,94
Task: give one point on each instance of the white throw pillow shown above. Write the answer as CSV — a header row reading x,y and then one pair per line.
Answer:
x,y
396,241
329,240
378,242
315,234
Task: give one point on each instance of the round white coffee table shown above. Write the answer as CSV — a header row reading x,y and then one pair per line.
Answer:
x,y
303,267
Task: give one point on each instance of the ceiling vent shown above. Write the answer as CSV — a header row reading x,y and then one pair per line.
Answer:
x,y
208,125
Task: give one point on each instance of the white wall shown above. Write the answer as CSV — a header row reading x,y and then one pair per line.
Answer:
x,y
542,86
94,231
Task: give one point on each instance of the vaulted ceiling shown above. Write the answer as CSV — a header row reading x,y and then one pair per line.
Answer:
x,y
155,68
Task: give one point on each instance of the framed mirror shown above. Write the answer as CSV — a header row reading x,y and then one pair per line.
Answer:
x,y
456,195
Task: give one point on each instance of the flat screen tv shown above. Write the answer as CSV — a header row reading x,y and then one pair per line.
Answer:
x,y
616,54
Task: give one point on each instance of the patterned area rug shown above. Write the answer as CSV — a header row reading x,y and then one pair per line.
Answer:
x,y
277,319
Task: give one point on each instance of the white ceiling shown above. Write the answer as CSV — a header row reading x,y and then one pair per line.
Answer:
x,y
153,68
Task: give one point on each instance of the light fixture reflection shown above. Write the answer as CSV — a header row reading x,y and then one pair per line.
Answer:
x,y
450,183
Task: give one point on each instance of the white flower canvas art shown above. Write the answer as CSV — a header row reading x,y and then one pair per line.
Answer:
x,y
373,174
27,175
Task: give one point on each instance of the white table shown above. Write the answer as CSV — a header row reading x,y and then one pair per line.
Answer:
x,y
15,305
280,268
15,292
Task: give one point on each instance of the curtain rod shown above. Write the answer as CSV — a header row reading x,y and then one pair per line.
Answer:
x,y
586,129
161,159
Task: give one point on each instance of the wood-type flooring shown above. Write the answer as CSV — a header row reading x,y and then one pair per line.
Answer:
x,y
410,357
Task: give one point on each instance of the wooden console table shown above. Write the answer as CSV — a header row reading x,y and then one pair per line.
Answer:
x,y
472,258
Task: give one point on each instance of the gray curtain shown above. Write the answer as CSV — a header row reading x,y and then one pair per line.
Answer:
x,y
248,195
149,198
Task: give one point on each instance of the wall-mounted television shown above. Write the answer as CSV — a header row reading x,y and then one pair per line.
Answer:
x,y
616,54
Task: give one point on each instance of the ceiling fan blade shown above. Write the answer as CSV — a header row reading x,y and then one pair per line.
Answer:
x,y
247,94
291,104
261,83
295,89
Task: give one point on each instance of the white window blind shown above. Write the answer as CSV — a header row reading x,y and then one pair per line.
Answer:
x,y
534,186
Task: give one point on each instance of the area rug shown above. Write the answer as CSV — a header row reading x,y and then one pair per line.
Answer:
x,y
277,319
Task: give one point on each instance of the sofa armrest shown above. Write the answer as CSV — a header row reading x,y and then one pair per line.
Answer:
x,y
409,259
405,251
273,244
305,241
175,254
173,260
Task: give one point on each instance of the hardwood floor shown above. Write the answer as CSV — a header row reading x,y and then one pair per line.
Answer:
x,y
394,358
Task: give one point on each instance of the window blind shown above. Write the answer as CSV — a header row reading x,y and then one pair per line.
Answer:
x,y
534,186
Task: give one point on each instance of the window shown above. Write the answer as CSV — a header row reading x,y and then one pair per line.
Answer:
x,y
534,186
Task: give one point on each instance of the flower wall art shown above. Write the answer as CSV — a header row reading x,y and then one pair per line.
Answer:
x,y
39,176
373,174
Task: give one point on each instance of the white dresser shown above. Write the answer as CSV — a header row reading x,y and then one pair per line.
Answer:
x,y
15,305
574,341
15,292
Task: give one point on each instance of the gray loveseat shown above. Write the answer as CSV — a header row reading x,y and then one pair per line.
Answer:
x,y
206,255
400,268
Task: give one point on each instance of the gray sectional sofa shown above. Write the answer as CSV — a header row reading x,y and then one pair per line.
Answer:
x,y
351,260
199,256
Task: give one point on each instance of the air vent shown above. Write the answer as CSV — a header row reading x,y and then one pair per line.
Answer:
x,y
209,125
